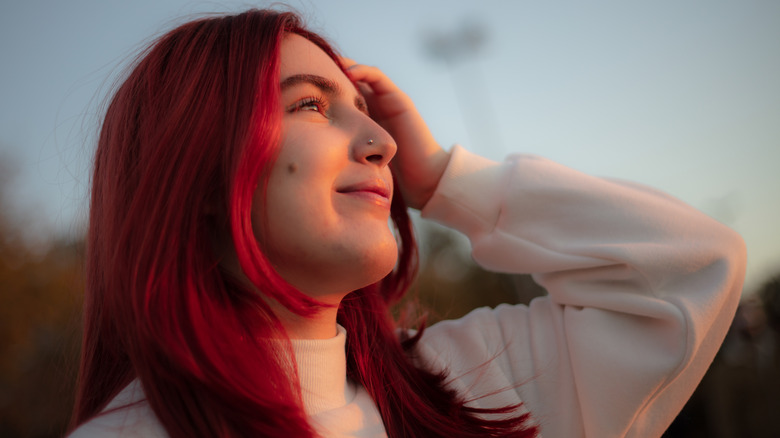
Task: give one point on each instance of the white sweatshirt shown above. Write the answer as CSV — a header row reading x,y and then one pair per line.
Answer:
x,y
642,289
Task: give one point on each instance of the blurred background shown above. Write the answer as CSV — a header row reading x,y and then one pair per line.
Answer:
x,y
682,96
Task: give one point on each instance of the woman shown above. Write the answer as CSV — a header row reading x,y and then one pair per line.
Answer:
x,y
241,266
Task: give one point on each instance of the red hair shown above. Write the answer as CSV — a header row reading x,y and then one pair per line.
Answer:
x,y
187,138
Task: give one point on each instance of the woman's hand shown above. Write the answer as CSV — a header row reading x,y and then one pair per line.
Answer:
x,y
420,161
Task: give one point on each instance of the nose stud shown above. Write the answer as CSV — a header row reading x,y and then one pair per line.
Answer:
x,y
370,141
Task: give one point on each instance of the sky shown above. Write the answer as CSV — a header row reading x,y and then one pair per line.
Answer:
x,y
682,96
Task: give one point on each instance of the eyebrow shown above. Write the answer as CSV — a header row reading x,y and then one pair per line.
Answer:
x,y
324,84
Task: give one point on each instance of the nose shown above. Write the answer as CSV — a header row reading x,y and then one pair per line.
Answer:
x,y
376,147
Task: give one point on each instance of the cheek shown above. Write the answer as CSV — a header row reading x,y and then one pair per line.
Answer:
x,y
298,201
310,241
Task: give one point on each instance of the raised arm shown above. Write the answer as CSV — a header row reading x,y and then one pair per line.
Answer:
x,y
642,289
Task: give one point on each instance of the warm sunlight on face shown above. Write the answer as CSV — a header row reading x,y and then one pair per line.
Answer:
x,y
324,224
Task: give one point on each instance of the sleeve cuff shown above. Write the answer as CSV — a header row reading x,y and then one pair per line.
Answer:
x,y
468,195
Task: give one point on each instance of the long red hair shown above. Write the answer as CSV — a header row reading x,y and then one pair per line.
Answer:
x,y
187,138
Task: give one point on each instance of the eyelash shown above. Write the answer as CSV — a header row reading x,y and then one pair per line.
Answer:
x,y
319,102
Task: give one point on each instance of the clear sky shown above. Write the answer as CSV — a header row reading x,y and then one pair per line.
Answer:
x,y
683,96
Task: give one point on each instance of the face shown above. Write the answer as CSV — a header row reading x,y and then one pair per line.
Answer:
x,y
324,223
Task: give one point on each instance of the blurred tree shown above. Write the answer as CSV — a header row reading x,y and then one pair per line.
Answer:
x,y
40,290
739,396
450,283
770,297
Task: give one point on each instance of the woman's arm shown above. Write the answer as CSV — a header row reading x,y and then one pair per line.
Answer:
x,y
642,289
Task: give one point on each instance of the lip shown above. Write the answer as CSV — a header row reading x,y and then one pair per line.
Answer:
x,y
376,190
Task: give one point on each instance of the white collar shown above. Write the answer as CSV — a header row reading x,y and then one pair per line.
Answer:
x,y
322,368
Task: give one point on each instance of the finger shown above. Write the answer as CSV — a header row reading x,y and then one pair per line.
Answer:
x,y
365,90
347,62
374,77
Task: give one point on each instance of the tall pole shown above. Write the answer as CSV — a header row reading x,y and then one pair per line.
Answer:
x,y
453,49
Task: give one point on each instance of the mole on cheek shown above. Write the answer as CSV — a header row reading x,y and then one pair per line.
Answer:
x,y
292,168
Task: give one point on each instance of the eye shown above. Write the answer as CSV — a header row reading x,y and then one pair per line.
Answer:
x,y
312,103
360,104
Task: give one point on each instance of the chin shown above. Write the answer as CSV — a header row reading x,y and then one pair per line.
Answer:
x,y
375,266
332,275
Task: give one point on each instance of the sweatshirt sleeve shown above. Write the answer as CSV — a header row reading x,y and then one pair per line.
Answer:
x,y
642,289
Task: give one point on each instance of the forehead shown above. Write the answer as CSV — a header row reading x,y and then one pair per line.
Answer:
x,y
301,56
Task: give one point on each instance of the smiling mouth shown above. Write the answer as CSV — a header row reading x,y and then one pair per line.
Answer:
x,y
376,193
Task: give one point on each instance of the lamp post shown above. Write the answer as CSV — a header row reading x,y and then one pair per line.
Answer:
x,y
454,49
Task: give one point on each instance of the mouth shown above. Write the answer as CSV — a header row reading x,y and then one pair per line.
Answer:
x,y
376,191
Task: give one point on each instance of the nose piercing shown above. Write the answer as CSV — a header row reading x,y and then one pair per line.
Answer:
x,y
370,141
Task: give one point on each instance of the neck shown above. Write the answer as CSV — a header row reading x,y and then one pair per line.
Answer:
x,y
321,325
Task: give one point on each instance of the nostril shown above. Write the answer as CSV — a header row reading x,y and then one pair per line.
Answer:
x,y
374,158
